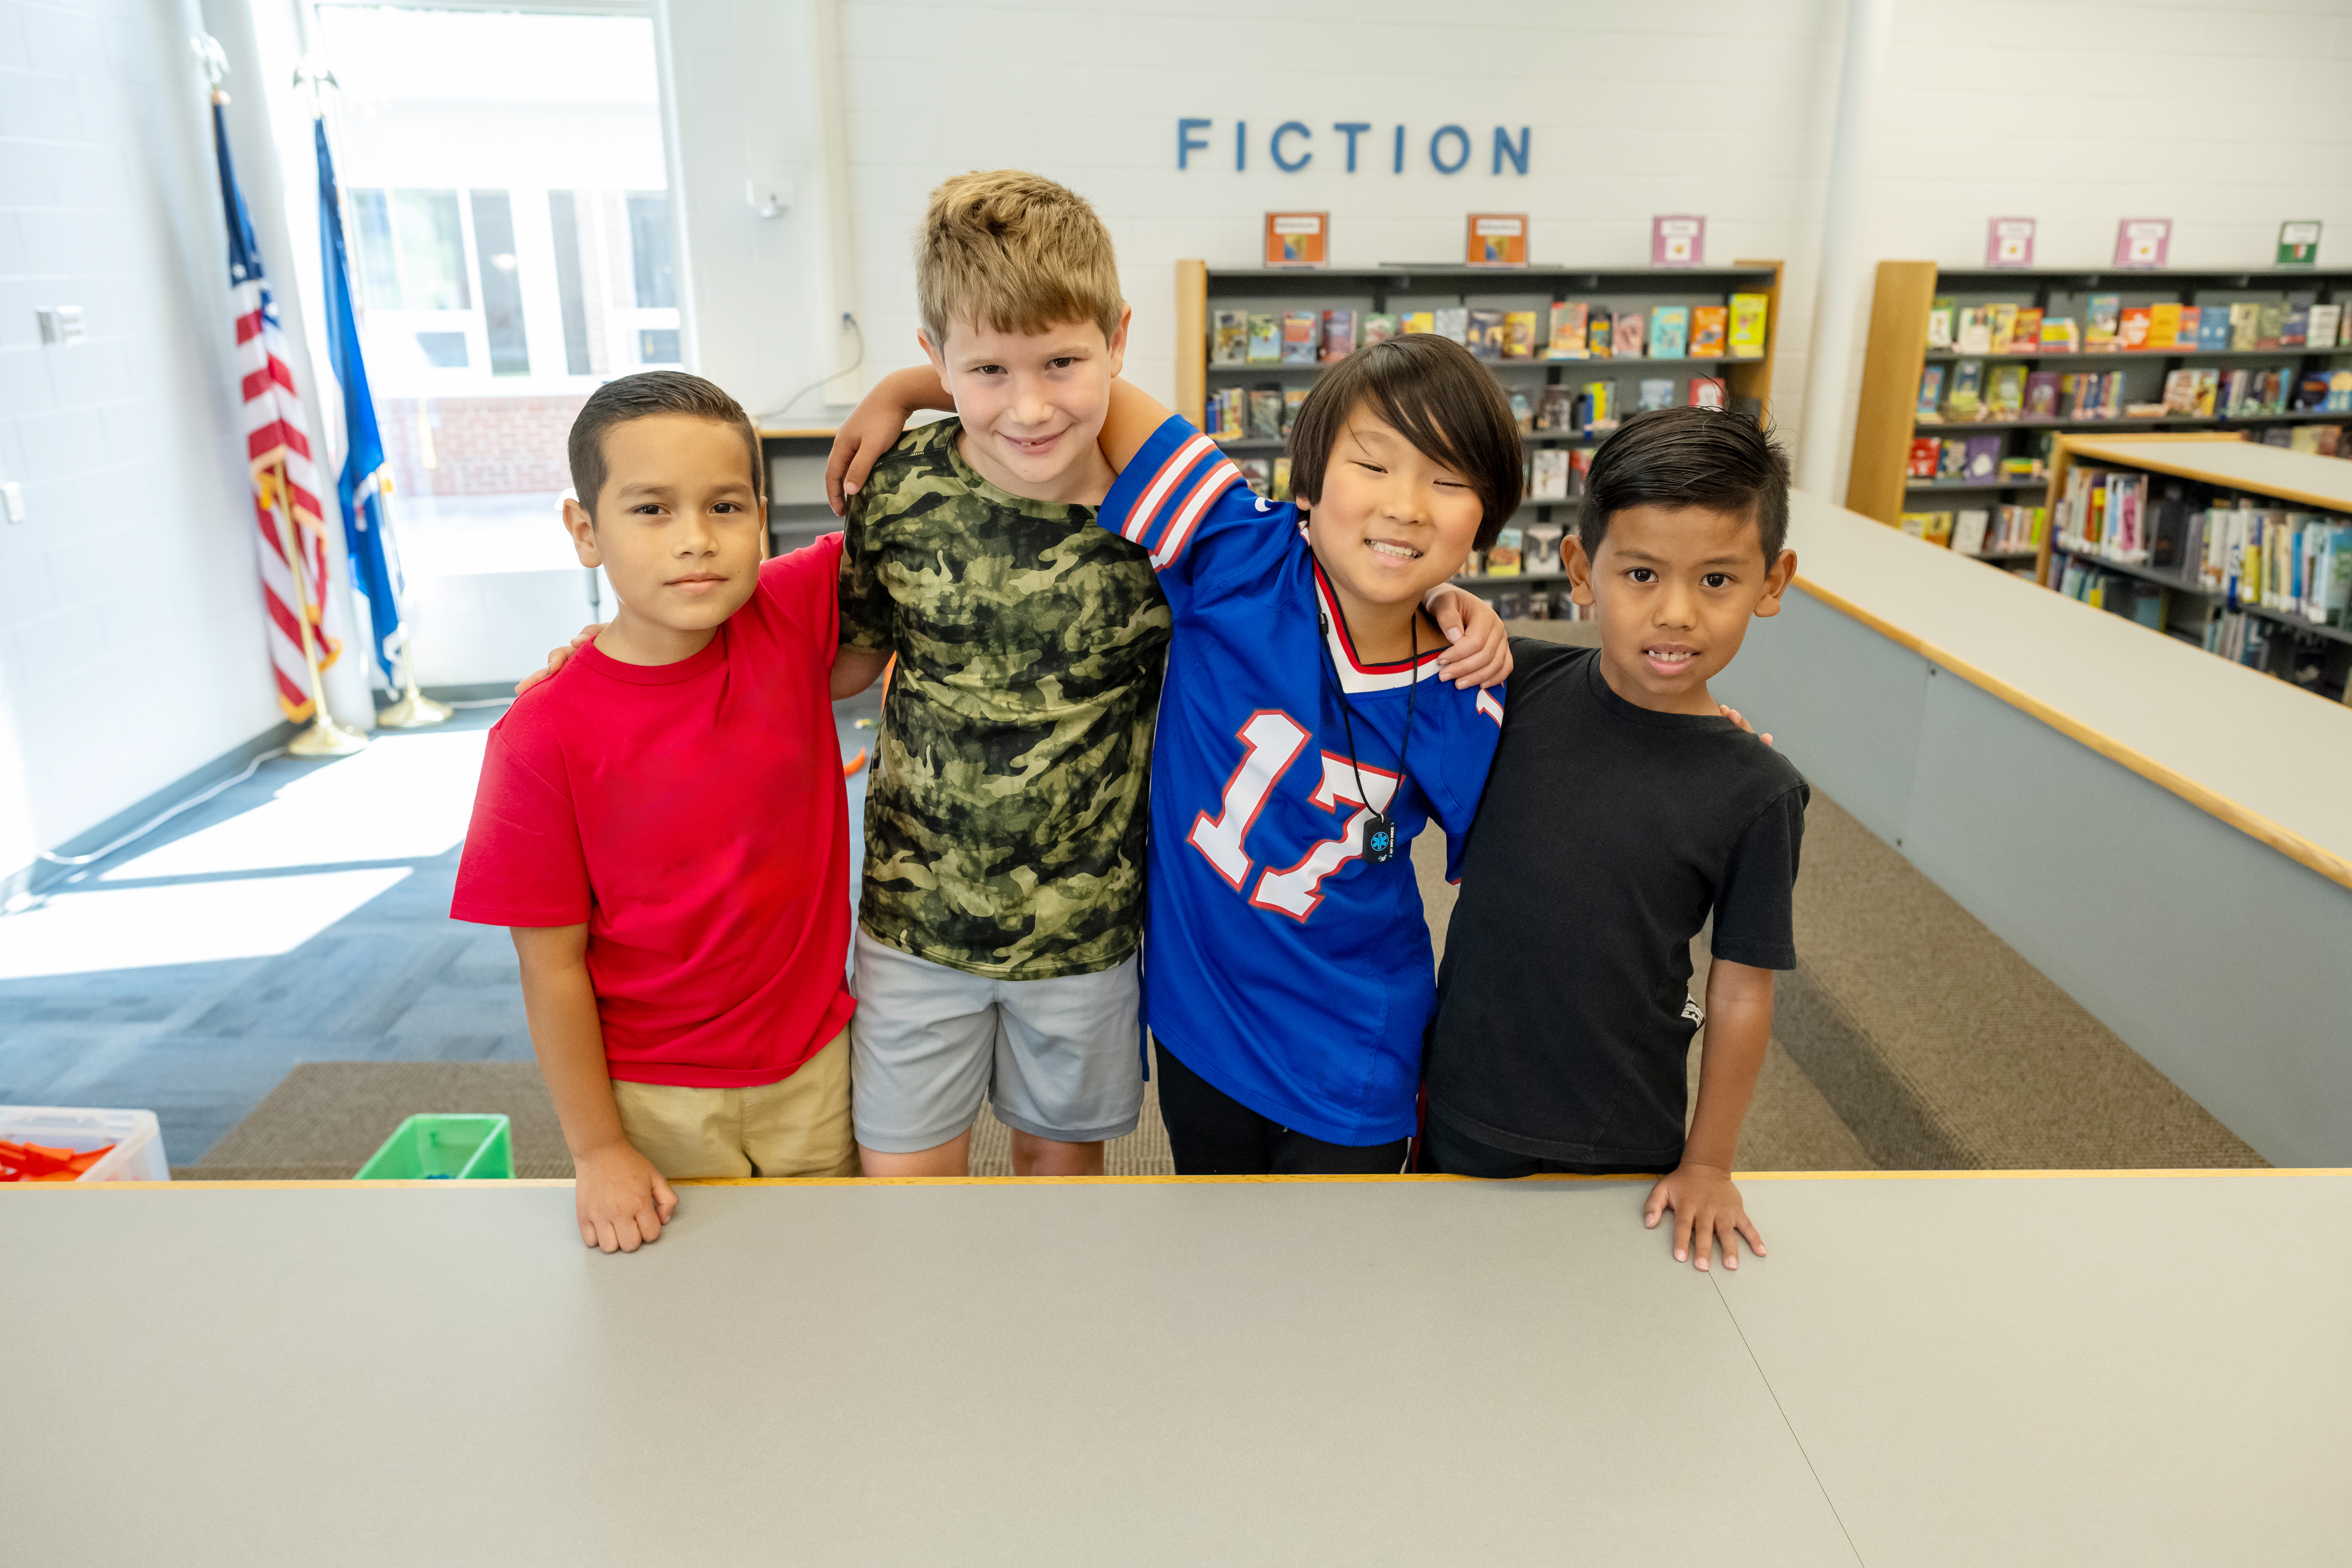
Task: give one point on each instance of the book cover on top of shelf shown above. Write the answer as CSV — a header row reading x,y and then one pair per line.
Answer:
x,y
2298,243
1453,322
2041,395
1378,327
1568,332
1669,332
1485,334
2059,335
1629,336
1926,452
2001,321
2213,328
2143,241
2103,312
1297,239
1230,342
2131,328
1940,324
1302,333
1339,335
1598,330
1518,334
1931,393
1749,325
2163,324
1265,338
1496,239
1705,392
1708,327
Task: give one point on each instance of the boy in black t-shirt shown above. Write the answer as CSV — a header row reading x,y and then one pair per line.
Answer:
x,y
1622,810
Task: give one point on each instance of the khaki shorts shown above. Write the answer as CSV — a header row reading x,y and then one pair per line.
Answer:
x,y
798,1127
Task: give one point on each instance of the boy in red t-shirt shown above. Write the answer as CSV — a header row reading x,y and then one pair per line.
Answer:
x,y
664,827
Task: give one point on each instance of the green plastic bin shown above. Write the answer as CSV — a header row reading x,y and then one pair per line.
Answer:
x,y
444,1148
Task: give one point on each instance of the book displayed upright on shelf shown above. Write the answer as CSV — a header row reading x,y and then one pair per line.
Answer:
x,y
1600,331
1453,322
1302,334
1670,331
1708,331
1940,325
1627,337
1486,334
1747,325
1265,414
1518,334
1377,327
2104,314
1229,344
1568,332
2041,395
1339,335
1265,338
1931,393
2059,335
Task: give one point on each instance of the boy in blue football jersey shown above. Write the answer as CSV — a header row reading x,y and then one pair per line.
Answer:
x,y
1304,739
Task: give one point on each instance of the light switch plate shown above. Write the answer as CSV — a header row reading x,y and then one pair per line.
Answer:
x,y
60,324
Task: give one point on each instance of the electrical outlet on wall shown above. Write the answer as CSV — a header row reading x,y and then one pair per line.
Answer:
x,y
60,324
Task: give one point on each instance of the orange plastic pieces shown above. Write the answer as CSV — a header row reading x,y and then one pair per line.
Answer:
x,y
34,1162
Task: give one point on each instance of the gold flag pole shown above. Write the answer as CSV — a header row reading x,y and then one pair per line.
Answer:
x,y
324,738
414,710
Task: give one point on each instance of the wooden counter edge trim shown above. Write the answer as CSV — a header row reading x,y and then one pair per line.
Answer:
x,y
2231,1172
2250,823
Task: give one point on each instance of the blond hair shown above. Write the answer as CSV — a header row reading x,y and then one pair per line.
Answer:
x,y
1012,252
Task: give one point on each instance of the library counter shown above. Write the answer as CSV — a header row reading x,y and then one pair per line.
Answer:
x,y
2015,1368
2160,831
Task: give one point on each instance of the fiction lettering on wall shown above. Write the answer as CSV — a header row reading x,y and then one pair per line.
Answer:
x,y
1291,146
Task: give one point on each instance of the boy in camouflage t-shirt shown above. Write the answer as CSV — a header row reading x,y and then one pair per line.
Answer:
x,y
1002,902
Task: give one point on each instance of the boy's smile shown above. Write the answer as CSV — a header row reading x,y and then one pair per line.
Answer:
x,y
1676,587
1391,524
1032,404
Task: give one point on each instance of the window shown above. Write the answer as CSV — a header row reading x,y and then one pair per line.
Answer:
x,y
649,249
493,250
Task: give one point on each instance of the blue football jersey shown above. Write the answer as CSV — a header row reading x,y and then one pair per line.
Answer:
x,y
1278,963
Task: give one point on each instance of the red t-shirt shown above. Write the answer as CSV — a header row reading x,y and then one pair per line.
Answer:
x,y
693,814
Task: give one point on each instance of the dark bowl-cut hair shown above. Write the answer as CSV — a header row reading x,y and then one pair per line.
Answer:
x,y
1711,458
641,397
1436,396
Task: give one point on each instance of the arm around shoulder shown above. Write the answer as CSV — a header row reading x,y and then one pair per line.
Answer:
x,y
1134,416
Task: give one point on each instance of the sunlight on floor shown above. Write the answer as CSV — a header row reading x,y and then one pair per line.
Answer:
x,y
99,928
404,798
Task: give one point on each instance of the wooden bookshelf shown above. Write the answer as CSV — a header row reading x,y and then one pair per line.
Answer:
x,y
2217,464
1878,480
794,459
1396,287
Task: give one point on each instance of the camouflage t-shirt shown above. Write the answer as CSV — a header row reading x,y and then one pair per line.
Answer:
x,y
1004,825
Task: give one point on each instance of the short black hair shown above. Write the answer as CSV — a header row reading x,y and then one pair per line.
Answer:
x,y
1711,458
1436,396
641,397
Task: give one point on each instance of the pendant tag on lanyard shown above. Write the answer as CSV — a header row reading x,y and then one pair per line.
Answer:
x,y
1379,840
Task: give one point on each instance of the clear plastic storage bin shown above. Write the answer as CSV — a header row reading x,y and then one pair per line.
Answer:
x,y
137,1154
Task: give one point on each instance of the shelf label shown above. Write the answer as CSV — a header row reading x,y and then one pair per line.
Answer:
x,y
2298,244
2009,242
1678,241
2143,241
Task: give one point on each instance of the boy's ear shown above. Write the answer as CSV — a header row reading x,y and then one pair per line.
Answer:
x,y
1776,583
1579,567
1119,337
939,361
581,527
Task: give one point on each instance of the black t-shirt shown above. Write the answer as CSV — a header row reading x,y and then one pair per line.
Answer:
x,y
1606,836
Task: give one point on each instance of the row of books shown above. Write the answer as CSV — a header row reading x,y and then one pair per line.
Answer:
x,y
2290,562
1594,408
1980,530
2133,598
2012,392
1537,604
1552,474
1578,330
1977,459
2240,637
2110,325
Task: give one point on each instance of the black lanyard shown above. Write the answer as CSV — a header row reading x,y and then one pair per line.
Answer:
x,y
1380,830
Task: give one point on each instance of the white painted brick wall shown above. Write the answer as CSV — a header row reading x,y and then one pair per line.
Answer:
x,y
130,644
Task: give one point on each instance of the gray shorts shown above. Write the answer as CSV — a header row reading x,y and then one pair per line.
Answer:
x,y
1057,1059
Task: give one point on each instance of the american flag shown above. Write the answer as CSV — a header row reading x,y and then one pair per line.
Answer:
x,y
277,451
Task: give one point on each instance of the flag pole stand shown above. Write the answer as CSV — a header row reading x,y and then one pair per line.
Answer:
x,y
414,710
324,738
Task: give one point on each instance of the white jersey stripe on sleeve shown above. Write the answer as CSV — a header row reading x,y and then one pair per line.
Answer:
x,y
1214,484
1139,519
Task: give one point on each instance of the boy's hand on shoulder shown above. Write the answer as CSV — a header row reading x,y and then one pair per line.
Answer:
x,y
620,1199
874,428
557,658
1481,654
1708,1209
1728,712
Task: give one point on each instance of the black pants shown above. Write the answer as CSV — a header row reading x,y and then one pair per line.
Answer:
x,y
1213,1134
1447,1150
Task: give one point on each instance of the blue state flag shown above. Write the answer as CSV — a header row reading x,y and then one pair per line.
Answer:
x,y
359,487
